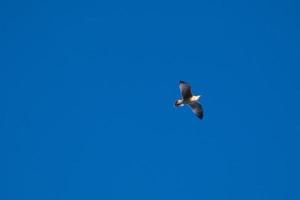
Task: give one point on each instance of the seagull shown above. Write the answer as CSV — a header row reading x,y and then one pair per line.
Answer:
x,y
190,99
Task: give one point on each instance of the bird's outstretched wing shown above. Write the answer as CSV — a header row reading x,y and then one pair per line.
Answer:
x,y
185,90
197,109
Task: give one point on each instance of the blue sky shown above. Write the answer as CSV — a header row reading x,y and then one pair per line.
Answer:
x,y
87,93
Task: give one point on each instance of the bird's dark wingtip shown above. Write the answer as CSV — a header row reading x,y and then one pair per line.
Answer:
x,y
200,116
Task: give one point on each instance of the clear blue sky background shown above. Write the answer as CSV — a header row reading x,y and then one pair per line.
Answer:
x,y
87,93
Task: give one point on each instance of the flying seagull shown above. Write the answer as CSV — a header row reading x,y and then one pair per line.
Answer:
x,y
188,98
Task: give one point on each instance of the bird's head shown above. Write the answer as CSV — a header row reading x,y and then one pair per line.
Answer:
x,y
196,98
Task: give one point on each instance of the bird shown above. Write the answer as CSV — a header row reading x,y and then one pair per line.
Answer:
x,y
187,98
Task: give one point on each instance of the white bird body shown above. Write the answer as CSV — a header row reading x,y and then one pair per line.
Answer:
x,y
182,102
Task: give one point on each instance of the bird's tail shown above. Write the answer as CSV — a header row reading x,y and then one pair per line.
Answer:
x,y
178,103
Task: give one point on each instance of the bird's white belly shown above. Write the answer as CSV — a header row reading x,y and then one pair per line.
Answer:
x,y
190,100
